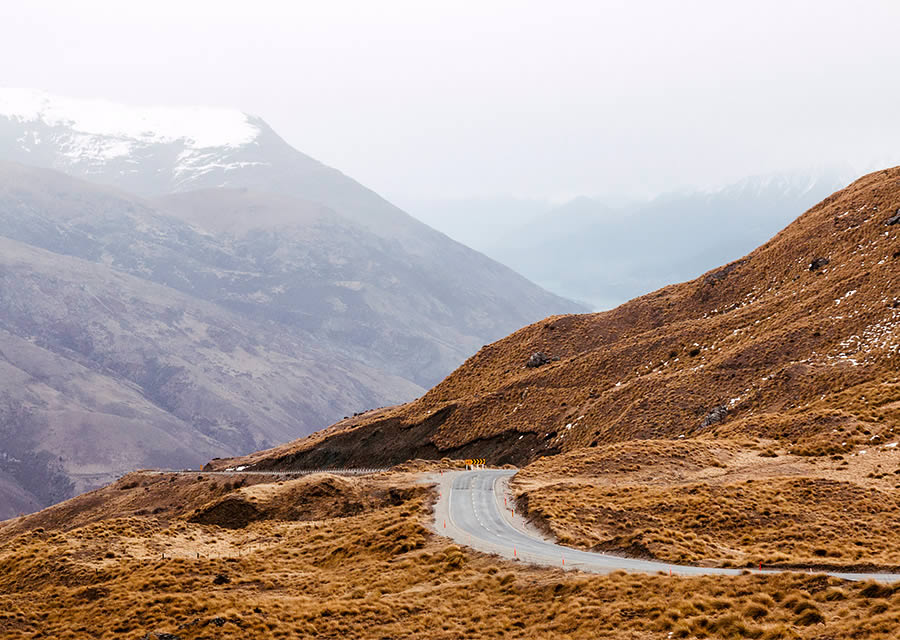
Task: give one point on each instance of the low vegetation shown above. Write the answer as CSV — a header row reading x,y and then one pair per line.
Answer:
x,y
380,574
720,503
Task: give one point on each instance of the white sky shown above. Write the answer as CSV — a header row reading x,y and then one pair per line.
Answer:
x,y
534,99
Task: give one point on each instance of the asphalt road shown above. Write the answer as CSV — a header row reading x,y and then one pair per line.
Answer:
x,y
474,508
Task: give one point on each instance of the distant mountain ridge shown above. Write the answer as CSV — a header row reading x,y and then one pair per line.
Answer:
x,y
605,255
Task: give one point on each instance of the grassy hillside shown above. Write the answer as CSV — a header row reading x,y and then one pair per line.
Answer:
x,y
795,342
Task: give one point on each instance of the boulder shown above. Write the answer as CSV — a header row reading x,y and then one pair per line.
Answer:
x,y
715,416
539,359
818,263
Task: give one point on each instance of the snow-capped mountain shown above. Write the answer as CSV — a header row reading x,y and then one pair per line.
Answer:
x,y
235,176
247,296
152,151
102,139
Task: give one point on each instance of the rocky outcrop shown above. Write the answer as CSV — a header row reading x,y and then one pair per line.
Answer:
x,y
538,359
717,415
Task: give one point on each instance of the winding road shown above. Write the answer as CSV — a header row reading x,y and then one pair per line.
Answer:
x,y
473,509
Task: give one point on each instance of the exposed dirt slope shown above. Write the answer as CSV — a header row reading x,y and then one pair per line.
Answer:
x,y
797,341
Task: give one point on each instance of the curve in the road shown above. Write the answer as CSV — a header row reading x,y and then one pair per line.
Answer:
x,y
470,510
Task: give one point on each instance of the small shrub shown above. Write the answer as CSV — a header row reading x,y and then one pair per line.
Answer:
x,y
804,605
833,594
872,589
810,617
879,608
755,611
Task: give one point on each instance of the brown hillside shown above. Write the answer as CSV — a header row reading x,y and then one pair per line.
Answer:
x,y
796,341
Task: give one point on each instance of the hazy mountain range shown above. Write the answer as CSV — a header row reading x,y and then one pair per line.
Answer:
x,y
605,251
605,256
246,294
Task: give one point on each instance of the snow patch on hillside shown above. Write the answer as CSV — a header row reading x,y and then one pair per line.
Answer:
x,y
108,128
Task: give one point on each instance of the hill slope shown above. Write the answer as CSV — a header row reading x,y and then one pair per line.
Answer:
x,y
797,340
363,557
103,372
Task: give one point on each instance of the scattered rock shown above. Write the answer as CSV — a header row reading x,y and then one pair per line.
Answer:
x,y
818,263
715,416
539,359
156,635
219,622
894,219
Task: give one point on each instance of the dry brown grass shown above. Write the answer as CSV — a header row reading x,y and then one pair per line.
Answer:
x,y
382,574
792,353
717,503
162,497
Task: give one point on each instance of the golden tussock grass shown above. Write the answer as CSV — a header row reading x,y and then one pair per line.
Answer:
x,y
382,574
717,503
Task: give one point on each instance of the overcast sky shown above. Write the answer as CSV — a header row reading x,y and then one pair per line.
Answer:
x,y
535,99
